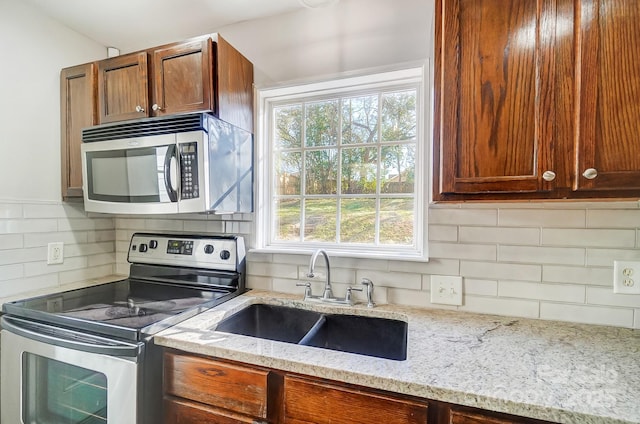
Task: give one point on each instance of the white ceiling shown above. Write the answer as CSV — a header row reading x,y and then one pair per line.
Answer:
x,y
137,24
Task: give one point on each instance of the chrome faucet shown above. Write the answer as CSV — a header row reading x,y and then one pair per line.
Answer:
x,y
327,293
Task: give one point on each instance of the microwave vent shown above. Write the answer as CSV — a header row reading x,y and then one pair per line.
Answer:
x,y
145,127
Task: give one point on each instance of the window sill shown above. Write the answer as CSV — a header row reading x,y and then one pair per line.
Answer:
x,y
410,256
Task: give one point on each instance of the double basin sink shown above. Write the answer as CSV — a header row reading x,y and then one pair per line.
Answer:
x,y
371,336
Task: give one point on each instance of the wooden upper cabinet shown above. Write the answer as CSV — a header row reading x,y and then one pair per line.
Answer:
x,y
495,112
77,111
123,91
608,86
182,78
204,74
537,99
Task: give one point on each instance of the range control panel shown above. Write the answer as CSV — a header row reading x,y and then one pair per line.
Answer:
x,y
210,251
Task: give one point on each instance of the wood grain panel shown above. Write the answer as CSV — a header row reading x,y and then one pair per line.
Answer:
x,y
495,110
182,412
122,86
183,77
608,83
307,401
77,111
239,389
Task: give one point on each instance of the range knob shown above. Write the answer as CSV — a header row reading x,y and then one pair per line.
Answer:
x,y
225,254
153,244
143,248
208,249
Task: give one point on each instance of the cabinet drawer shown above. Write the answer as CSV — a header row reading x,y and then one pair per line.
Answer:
x,y
458,416
184,412
239,389
321,403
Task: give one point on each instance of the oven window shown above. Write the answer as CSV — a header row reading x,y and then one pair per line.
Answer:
x,y
58,393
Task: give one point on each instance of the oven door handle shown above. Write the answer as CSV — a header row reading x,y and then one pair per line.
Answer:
x,y
93,344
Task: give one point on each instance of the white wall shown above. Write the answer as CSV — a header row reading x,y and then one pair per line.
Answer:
x,y
350,35
34,49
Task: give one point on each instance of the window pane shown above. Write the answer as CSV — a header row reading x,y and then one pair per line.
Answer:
x,y
287,213
288,173
322,123
321,171
399,116
360,120
358,221
359,170
288,127
396,221
320,220
398,168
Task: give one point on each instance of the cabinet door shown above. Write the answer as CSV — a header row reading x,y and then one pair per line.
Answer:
x,y
77,111
307,401
494,101
182,78
122,88
608,93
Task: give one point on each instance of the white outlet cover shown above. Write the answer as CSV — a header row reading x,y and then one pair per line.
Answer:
x,y
55,253
626,277
446,289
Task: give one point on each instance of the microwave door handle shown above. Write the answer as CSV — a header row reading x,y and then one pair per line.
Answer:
x,y
171,172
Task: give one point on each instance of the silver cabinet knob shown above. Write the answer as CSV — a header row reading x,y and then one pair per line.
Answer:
x,y
549,176
590,173
139,109
155,107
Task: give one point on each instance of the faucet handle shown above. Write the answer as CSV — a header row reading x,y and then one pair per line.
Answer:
x,y
369,284
307,289
347,297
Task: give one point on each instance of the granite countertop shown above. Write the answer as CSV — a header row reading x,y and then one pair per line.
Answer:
x,y
556,371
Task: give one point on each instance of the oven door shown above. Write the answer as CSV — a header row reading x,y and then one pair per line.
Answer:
x,y
133,175
54,376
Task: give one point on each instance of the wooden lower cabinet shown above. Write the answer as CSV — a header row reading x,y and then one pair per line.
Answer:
x,y
200,389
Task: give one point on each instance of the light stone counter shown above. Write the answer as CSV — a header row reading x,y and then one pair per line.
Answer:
x,y
562,372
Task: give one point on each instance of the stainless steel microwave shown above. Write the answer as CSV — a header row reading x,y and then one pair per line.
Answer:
x,y
177,164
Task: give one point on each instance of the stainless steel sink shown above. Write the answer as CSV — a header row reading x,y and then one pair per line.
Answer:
x,y
370,336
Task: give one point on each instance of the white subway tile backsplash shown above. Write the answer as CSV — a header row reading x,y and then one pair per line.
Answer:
x,y
613,218
10,272
542,218
10,210
273,269
86,274
160,225
589,237
473,286
101,259
19,256
578,275
571,293
28,226
619,317
391,279
542,255
434,266
606,296
100,235
480,217
25,285
283,285
417,298
477,252
67,237
83,224
11,241
500,235
443,233
498,306
500,271
32,269
258,283
605,257
636,318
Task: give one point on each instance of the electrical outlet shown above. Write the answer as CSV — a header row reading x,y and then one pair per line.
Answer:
x,y
55,253
446,290
626,277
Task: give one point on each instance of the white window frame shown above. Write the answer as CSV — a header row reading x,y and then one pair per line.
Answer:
x,y
267,98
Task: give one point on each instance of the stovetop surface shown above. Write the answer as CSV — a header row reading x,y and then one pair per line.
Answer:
x,y
128,308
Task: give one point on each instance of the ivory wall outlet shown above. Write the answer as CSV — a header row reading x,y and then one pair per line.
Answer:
x,y
446,290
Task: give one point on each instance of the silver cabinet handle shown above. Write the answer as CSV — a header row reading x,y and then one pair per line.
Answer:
x,y
549,176
139,109
590,173
155,107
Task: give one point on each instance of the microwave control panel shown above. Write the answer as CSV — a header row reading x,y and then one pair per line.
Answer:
x,y
189,171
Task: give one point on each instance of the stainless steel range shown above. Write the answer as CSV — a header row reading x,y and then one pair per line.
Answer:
x,y
87,355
